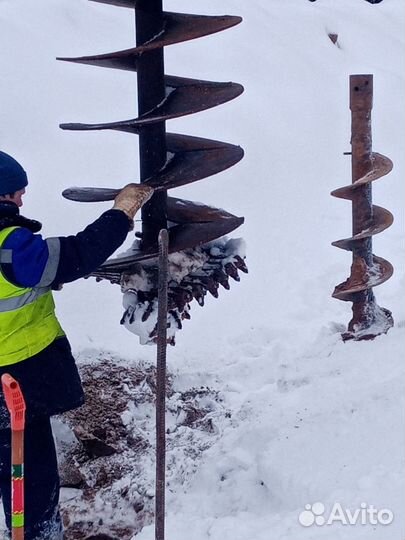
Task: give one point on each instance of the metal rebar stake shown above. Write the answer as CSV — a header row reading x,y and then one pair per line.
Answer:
x,y
161,387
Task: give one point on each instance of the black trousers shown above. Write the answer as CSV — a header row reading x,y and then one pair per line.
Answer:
x,y
42,519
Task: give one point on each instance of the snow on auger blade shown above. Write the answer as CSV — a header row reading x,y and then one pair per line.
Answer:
x,y
367,270
192,225
201,258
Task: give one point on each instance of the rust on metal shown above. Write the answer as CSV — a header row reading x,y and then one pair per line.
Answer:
x,y
176,28
183,97
191,159
161,341
194,225
119,3
368,270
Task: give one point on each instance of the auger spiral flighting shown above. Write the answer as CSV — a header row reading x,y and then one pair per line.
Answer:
x,y
367,271
200,257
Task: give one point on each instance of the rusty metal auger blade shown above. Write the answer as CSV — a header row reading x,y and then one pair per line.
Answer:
x,y
183,97
183,211
124,125
189,235
189,96
118,3
363,278
382,219
126,60
196,224
381,166
181,237
90,194
367,270
177,27
191,159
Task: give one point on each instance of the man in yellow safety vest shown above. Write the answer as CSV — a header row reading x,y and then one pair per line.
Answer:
x,y
33,346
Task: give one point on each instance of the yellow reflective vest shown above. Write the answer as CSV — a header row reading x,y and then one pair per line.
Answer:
x,y
28,322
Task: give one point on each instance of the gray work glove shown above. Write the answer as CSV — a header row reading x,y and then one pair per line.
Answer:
x,y
131,198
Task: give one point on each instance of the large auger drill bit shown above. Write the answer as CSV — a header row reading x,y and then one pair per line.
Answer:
x,y
367,271
201,258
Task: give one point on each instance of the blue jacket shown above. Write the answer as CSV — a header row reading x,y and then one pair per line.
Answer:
x,y
49,380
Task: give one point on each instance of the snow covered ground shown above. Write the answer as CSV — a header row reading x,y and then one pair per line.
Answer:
x,y
312,419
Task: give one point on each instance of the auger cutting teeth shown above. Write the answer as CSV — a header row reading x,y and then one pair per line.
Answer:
x,y
367,270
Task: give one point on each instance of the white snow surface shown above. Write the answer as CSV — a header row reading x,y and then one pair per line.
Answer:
x,y
314,419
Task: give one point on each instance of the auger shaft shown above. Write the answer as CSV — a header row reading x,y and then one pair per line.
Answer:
x,y
361,103
152,138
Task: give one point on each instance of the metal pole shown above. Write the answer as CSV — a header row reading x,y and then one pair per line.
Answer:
x,y
151,91
161,387
361,103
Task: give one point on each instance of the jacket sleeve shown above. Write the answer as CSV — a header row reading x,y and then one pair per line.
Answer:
x,y
38,262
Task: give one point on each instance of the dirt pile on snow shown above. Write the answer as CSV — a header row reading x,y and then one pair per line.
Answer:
x,y
107,467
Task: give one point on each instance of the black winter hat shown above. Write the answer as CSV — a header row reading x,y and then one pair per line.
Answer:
x,y
12,175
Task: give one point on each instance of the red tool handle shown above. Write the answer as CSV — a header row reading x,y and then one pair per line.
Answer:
x,y
14,401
